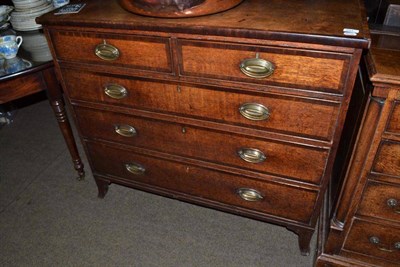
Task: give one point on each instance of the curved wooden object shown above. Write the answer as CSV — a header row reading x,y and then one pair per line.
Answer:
x,y
177,8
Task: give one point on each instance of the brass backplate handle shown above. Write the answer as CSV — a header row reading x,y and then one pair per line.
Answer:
x,y
254,111
115,91
257,68
106,51
251,155
249,194
125,130
135,168
376,241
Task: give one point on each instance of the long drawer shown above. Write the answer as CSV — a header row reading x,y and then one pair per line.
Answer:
x,y
376,240
136,52
271,157
299,68
272,198
310,118
381,200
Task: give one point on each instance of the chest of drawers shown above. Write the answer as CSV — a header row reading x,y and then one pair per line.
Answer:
x,y
365,228
239,111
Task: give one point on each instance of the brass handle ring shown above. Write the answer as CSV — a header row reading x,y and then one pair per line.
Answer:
x,y
249,194
115,91
251,155
257,68
125,130
254,111
385,249
106,51
135,168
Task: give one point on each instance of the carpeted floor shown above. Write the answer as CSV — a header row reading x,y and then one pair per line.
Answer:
x,y
48,218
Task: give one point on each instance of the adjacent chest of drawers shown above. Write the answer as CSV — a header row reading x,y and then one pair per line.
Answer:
x,y
365,229
240,111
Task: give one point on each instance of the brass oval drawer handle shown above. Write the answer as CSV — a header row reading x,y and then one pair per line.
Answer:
x,y
257,67
251,155
135,168
106,51
125,130
254,111
393,203
249,194
115,91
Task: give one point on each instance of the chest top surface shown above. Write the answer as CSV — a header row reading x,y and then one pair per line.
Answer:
x,y
317,21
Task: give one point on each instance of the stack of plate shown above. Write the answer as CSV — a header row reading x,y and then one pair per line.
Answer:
x,y
26,11
36,44
4,16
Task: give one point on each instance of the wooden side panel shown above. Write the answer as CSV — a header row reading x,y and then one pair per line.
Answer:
x,y
394,121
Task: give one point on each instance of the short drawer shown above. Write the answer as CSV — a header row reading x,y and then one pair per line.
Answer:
x,y
387,160
394,120
371,239
137,52
270,157
381,200
272,198
306,117
312,70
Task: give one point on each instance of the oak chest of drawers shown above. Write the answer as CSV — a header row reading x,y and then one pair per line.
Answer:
x,y
365,228
240,111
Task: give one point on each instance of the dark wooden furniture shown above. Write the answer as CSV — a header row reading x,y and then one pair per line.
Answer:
x,y
365,227
183,107
39,77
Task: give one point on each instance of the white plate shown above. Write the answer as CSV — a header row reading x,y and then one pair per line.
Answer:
x,y
33,12
26,5
28,28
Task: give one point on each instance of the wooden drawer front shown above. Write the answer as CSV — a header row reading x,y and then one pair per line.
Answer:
x,y
387,160
381,200
381,241
394,121
13,89
283,159
279,200
305,117
293,68
138,52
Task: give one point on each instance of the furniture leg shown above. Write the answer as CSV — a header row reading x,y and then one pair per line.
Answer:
x,y
102,186
57,103
304,238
